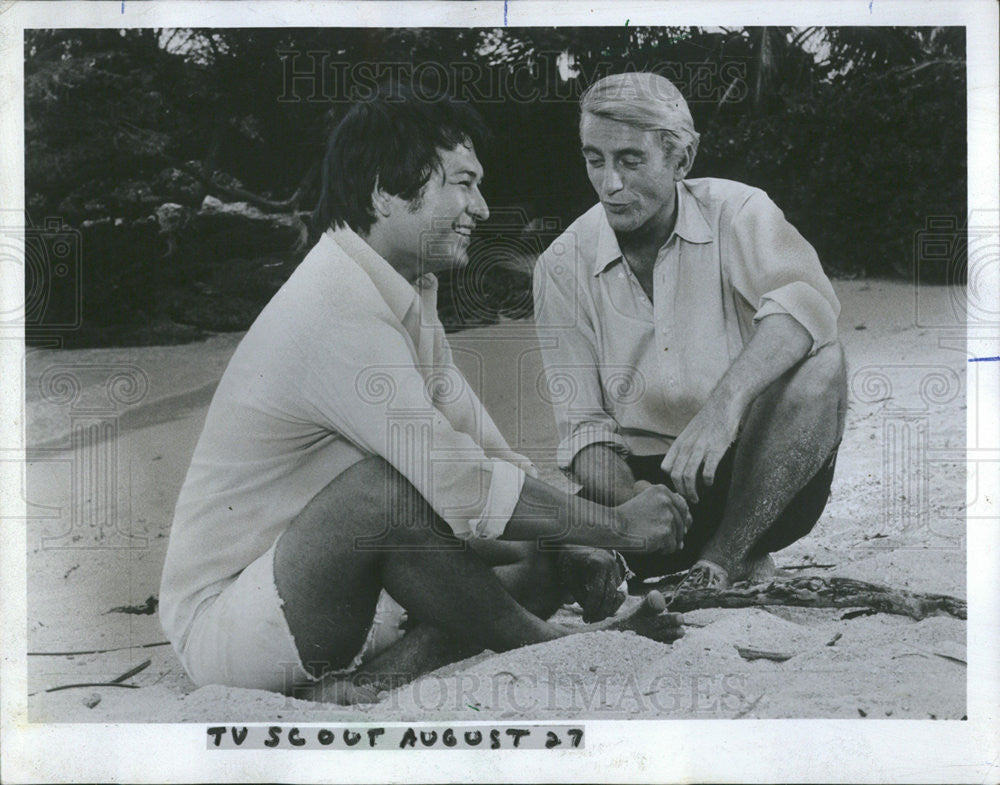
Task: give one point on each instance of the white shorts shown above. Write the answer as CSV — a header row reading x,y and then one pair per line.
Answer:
x,y
241,638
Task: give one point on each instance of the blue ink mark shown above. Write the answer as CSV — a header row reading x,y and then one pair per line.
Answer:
x,y
984,359
123,6
504,12
870,4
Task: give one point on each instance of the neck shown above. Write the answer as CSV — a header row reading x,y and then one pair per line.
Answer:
x,y
404,264
641,247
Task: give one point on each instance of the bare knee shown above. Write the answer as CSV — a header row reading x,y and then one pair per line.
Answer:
x,y
371,497
373,484
820,380
369,481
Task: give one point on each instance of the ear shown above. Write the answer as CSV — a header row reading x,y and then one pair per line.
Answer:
x,y
381,201
684,162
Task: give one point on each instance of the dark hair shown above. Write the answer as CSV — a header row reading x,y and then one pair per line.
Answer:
x,y
392,138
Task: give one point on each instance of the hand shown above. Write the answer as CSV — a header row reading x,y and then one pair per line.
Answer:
x,y
701,445
657,517
592,576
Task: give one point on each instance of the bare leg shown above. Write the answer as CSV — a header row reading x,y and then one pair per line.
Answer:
x,y
345,546
789,433
527,574
329,583
427,647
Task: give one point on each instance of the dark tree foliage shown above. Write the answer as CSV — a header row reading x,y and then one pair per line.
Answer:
x,y
861,158
857,133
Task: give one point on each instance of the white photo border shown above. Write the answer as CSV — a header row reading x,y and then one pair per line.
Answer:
x,y
638,750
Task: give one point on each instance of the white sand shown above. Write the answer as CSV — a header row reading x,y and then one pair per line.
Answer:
x,y
908,534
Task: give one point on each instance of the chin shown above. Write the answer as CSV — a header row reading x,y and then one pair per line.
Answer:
x,y
622,223
445,257
457,262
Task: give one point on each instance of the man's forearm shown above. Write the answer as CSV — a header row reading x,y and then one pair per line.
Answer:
x,y
778,344
604,474
544,511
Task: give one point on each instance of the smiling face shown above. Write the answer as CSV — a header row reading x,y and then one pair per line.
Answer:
x,y
632,175
431,233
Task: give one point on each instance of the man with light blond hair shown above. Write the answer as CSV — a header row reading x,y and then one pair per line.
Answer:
x,y
698,333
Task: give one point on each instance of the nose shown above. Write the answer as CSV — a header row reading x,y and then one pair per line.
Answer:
x,y
478,208
612,181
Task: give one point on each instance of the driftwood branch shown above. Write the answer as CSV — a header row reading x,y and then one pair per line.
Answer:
x,y
817,592
119,682
95,651
92,684
241,194
140,135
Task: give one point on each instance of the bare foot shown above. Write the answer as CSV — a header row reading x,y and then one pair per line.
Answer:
x,y
647,619
763,570
703,576
400,663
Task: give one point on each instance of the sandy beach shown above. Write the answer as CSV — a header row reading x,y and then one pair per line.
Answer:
x,y
896,517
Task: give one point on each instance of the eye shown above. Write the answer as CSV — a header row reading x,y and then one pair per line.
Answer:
x,y
631,163
594,163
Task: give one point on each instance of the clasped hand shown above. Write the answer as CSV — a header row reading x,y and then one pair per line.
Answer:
x,y
655,518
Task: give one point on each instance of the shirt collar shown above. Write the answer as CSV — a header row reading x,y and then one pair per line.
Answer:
x,y
690,226
397,292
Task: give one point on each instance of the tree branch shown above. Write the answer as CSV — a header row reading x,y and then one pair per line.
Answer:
x,y
817,592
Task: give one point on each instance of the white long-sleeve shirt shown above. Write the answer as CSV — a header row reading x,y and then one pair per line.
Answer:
x,y
632,373
347,361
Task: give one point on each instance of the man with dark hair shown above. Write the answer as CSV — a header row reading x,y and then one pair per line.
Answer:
x,y
395,145
699,333
347,473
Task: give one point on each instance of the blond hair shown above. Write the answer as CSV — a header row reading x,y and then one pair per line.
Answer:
x,y
647,101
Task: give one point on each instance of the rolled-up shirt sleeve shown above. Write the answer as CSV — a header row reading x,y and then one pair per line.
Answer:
x,y
569,350
379,400
776,270
584,434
